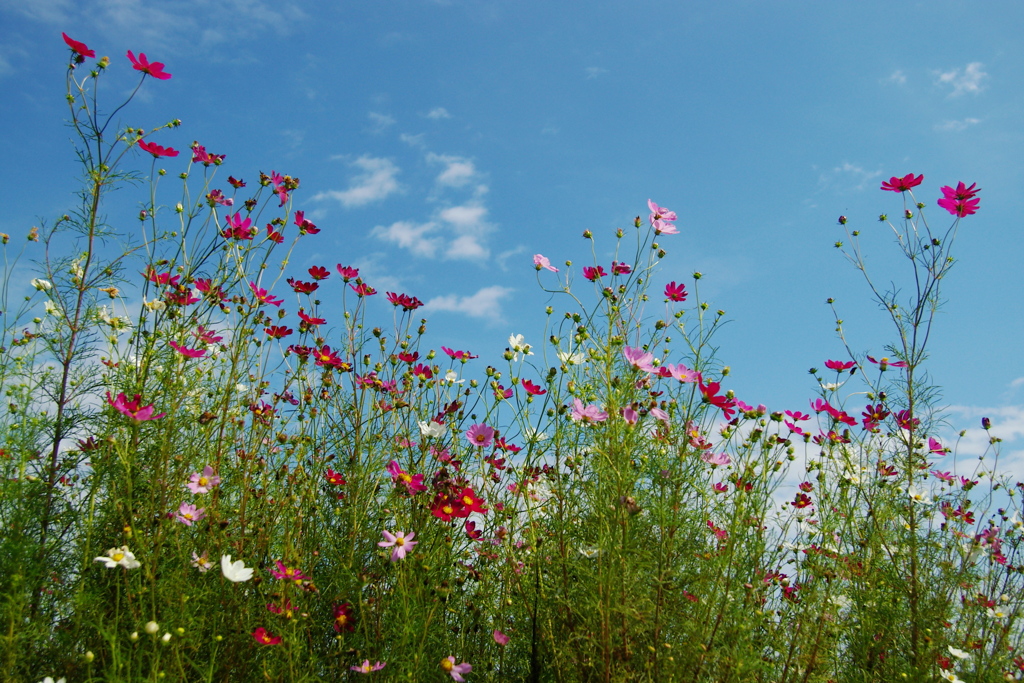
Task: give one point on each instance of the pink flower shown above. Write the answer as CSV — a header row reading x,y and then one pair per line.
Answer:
x,y
639,359
348,273
362,289
660,213
886,363
621,268
413,482
674,292
500,638
187,352
593,273
586,414
286,573
839,365
458,355
263,296
80,49
936,447
540,261
480,435
365,667
201,156
132,409
188,514
237,228
903,184
679,372
660,415
629,415
961,201
154,69
944,476
202,482
156,150
716,459
401,542
455,670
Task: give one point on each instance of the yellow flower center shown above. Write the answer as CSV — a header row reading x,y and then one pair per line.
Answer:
x,y
399,541
405,476
117,557
447,664
468,500
203,481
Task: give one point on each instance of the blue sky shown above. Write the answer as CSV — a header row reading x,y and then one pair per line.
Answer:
x,y
442,144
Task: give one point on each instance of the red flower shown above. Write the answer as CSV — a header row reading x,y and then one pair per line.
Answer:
x,y
327,358
309,321
274,235
445,507
319,273
903,184
300,287
407,357
262,636
362,289
80,49
154,69
408,303
278,331
235,183
422,372
593,273
839,365
532,389
334,478
305,227
470,503
802,500
961,201
343,618
710,393
348,273
674,292
156,150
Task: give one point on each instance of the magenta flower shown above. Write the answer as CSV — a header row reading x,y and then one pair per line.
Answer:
x,y
541,261
458,355
903,184
884,363
156,150
455,670
839,365
936,447
286,573
154,69
80,49
414,482
263,296
621,268
365,667
402,543
362,289
586,414
944,476
186,351
480,435
533,389
593,273
187,514
629,415
132,408
674,292
500,638
202,482
961,201
237,228
639,359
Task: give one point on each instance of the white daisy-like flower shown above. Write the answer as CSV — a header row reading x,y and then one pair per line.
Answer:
x,y
959,654
119,557
432,429
234,571
41,284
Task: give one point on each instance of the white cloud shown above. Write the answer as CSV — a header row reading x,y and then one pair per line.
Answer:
x,y
48,11
438,113
380,122
969,80
956,126
413,140
848,173
415,237
458,170
897,77
376,182
595,71
485,304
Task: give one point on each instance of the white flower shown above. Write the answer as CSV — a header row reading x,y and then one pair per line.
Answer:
x,y
236,571
452,377
959,654
155,305
49,679
950,676
432,429
571,358
919,495
119,556
519,345
590,552
151,627
41,285
832,386
52,309
166,637
532,435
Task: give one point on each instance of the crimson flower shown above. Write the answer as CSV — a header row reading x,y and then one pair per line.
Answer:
x,y
674,292
325,357
262,635
903,184
472,532
156,150
334,478
445,507
621,268
422,372
532,389
300,287
319,273
362,289
274,235
802,500
237,228
839,365
263,296
710,394
187,352
407,357
348,273
458,355
154,69
905,420
960,201
593,273
503,445
278,331
133,408
343,618
408,303
162,278
235,182
286,573
309,321
80,49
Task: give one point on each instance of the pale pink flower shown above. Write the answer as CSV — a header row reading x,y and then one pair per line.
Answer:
x,y
629,415
500,638
455,670
402,543
661,415
582,413
201,562
540,261
639,358
679,372
202,482
188,514
366,668
716,459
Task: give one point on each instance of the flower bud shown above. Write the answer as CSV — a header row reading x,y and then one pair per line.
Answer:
x,y
842,220
151,627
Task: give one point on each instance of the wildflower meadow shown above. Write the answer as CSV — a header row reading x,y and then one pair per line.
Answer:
x,y
209,474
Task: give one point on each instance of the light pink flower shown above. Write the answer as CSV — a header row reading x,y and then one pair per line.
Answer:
x,y
365,667
202,482
629,415
639,359
679,372
540,261
455,670
588,414
500,638
188,514
716,459
660,414
480,435
402,543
